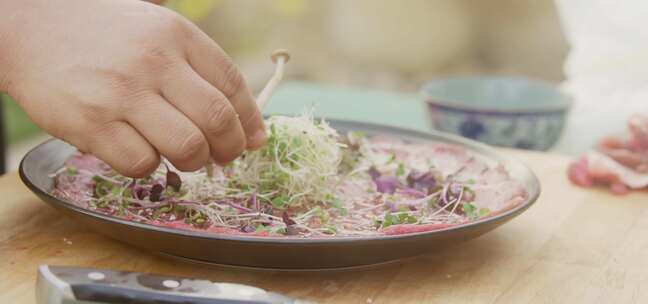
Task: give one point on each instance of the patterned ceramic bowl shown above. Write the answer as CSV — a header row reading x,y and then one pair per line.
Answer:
x,y
501,111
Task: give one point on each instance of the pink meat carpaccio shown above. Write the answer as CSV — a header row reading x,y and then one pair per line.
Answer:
x,y
620,164
492,189
77,188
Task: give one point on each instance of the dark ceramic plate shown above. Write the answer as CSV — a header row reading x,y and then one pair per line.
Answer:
x,y
274,252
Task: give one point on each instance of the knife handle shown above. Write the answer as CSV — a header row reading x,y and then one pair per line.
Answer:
x,y
56,285
119,295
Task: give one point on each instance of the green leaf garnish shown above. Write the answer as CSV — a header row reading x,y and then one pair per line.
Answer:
x,y
470,211
102,186
279,201
433,202
329,230
392,158
389,220
165,209
400,171
71,171
406,218
402,218
403,208
337,203
128,192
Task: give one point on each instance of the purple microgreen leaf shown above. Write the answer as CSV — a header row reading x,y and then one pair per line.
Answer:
x,y
456,188
422,181
253,203
132,184
172,179
156,193
239,207
248,229
374,173
411,192
286,219
140,192
387,184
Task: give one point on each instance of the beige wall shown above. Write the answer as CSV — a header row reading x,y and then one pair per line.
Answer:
x,y
388,43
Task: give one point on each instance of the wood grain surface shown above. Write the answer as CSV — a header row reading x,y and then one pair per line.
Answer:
x,y
573,246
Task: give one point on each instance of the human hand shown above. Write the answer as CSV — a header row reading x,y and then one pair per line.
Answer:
x,y
127,81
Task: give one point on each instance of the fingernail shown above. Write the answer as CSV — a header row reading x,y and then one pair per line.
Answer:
x,y
257,140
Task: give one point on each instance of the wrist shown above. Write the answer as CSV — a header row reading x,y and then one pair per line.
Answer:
x,y
12,28
7,37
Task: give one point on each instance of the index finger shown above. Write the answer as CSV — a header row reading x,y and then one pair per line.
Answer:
x,y
215,66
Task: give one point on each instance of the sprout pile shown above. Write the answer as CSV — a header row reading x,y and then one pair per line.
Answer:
x,y
297,166
307,181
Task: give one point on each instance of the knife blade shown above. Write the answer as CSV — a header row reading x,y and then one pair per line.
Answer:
x,y
62,285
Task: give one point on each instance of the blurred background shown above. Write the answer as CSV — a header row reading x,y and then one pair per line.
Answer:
x,y
367,43
390,44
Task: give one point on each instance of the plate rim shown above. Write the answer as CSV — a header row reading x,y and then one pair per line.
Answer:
x,y
471,145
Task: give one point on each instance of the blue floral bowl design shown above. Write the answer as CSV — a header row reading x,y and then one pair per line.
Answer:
x,y
502,111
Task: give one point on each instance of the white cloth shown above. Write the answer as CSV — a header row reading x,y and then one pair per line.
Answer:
x,y
606,69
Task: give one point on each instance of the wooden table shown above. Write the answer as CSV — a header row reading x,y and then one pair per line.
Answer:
x,y
573,246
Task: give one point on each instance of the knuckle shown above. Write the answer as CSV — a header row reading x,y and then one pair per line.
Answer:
x,y
94,111
122,90
98,133
232,79
172,23
138,104
156,58
220,117
121,84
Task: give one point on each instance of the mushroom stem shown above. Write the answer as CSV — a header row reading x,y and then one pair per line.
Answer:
x,y
279,57
210,168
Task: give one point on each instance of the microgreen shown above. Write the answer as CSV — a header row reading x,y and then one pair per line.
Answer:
x,y
156,193
400,218
173,180
287,220
337,203
400,171
392,158
472,212
279,201
306,180
71,171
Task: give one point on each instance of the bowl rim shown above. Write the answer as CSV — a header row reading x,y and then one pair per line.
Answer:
x,y
471,145
565,102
